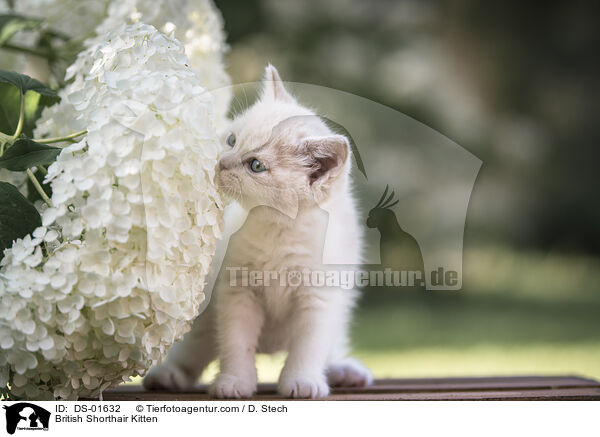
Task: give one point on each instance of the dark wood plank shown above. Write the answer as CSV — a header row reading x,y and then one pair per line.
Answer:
x,y
543,394
487,388
439,384
475,384
525,380
521,395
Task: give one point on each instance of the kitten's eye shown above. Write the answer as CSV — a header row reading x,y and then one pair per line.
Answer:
x,y
231,140
256,166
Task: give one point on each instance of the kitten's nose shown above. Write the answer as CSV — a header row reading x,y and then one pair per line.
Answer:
x,y
227,162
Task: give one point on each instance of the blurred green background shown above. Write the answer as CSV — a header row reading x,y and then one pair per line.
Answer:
x,y
516,83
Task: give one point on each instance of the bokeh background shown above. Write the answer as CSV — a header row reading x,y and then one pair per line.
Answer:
x,y
515,83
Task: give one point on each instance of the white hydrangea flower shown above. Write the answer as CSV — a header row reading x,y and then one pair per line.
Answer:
x,y
196,23
112,278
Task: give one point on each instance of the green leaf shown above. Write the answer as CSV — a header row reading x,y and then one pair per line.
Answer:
x,y
26,83
26,153
11,24
18,217
10,102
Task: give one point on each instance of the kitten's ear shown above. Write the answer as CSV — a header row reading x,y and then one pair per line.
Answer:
x,y
327,158
273,88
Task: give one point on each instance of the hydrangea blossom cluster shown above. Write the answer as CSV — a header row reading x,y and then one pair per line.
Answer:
x,y
196,23
115,274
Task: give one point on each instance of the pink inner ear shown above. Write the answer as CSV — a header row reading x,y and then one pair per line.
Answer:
x,y
321,167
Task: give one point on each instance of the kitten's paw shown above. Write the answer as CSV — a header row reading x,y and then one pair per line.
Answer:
x,y
231,386
349,373
303,386
168,377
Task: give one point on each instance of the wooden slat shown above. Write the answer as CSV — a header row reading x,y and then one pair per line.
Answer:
x,y
487,388
521,395
475,384
543,394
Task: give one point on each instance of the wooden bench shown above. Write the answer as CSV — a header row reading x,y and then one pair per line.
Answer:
x,y
488,388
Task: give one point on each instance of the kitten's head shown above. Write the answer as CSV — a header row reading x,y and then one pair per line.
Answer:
x,y
280,154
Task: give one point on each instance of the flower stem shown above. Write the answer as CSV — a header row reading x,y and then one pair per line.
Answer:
x,y
38,187
21,119
59,139
10,139
3,140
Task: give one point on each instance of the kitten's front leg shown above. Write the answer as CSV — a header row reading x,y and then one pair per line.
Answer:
x,y
314,331
240,320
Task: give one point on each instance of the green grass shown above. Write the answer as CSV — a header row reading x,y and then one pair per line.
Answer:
x,y
580,359
479,336
518,314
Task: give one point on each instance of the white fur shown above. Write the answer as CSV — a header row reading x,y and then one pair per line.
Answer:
x,y
290,220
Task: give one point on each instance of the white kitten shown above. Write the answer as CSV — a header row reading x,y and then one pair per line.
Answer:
x,y
290,177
